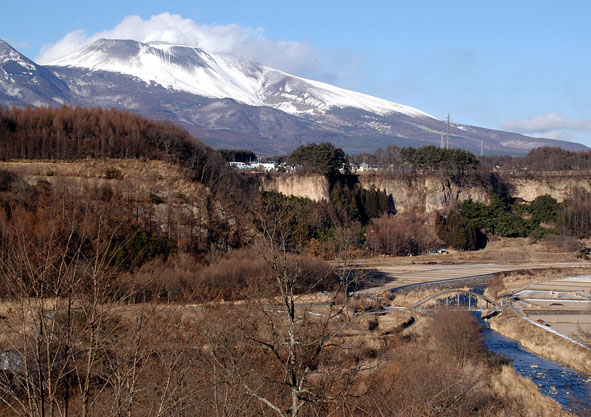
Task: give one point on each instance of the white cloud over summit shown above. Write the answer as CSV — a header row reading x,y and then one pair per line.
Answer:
x,y
551,125
245,42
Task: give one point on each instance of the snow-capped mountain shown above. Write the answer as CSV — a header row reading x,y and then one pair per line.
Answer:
x,y
198,72
24,82
229,102
195,71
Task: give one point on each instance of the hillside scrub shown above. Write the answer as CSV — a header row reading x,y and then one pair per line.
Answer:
x,y
574,216
68,133
507,218
156,203
210,360
444,370
400,235
317,225
541,218
541,159
544,158
238,275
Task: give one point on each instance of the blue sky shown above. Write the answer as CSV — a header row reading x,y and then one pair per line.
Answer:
x,y
517,65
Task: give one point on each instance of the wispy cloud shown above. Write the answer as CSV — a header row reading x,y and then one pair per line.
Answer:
x,y
21,44
551,125
246,42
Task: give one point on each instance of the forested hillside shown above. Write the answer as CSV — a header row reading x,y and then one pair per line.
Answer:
x,y
68,133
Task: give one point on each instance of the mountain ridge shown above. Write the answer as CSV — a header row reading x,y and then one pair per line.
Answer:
x,y
199,72
229,102
23,82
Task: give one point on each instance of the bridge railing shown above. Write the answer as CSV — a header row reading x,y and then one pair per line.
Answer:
x,y
457,296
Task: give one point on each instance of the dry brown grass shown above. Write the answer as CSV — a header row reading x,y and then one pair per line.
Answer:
x,y
421,374
524,394
516,250
393,321
239,275
541,342
431,373
152,176
497,251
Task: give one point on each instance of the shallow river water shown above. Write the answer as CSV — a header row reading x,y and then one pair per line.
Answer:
x,y
561,383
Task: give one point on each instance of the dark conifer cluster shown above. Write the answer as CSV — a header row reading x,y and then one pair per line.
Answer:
x,y
458,232
434,159
323,158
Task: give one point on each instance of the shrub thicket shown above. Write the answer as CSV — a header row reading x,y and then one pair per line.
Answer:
x,y
402,234
240,274
459,232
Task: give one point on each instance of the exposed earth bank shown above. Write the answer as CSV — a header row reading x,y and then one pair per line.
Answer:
x,y
430,192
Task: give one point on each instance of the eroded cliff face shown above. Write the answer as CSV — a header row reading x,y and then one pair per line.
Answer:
x,y
312,186
556,184
431,193
425,194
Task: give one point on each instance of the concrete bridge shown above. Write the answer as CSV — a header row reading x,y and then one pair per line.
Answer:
x,y
458,299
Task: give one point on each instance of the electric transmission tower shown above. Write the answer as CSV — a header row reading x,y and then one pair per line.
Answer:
x,y
447,141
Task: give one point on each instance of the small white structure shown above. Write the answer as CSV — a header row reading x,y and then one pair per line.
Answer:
x,y
268,166
238,165
258,166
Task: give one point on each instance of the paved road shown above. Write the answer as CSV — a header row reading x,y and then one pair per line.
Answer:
x,y
400,275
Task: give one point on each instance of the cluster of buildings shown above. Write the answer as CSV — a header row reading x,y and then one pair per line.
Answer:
x,y
273,167
255,166
362,167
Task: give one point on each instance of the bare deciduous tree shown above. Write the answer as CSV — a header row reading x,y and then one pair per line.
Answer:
x,y
284,348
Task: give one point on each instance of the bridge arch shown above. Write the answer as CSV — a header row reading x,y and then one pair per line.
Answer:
x,y
490,304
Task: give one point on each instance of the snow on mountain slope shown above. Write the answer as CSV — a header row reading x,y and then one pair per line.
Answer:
x,y
196,71
24,82
231,103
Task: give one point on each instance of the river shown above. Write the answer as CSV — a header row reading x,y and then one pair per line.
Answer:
x,y
560,383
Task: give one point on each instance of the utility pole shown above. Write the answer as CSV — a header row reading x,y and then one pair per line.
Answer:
x,y
442,145
481,148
